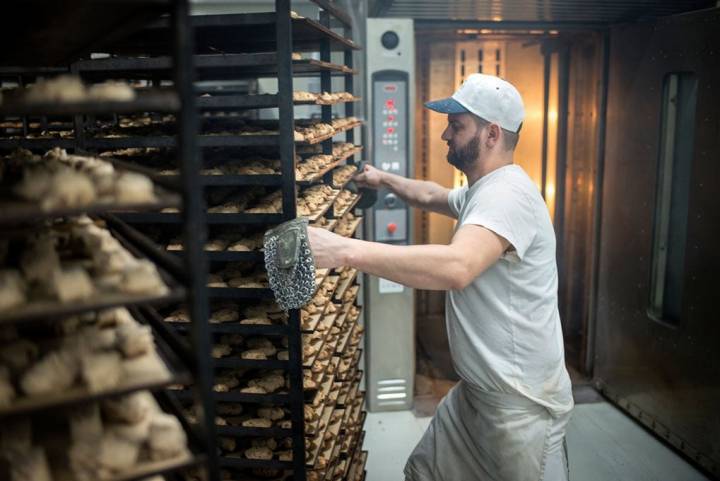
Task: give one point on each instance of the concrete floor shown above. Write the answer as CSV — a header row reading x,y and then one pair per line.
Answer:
x,y
603,445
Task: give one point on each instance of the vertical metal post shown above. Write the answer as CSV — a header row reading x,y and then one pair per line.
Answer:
x,y
78,120
597,208
194,227
547,53
287,160
561,168
349,87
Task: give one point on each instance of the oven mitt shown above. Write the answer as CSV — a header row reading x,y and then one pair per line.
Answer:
x,y
368,196
289,263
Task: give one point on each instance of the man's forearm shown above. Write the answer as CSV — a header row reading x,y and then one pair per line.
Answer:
x,y
431,267
418,193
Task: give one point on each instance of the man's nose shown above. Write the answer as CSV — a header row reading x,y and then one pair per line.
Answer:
x,y
446,134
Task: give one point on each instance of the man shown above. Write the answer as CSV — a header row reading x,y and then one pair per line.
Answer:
x,y
505,420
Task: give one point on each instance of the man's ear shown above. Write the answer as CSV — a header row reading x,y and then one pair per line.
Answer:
x,y
493,135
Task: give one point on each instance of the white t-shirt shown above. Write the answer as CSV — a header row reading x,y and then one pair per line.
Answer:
x,y
504,328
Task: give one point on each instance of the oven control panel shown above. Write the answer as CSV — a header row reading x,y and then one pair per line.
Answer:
x,y
390,147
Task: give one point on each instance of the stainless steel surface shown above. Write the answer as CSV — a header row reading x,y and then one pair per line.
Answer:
x,y
390,341
667,377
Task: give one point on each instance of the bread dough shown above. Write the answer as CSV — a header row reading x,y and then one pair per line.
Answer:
x,y
7,391
221,350
257,423
117,454
101,371
224,315
135,339
134,188
55,372
142,277
259,453
85,423
68,189
111,91
12,289
271,413
167,437
146,368
72,284
29,465
130,409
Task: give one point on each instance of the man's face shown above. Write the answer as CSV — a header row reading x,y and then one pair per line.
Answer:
x,y
463,139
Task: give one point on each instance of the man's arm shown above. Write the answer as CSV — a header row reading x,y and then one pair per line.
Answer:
x,y
418,193
433,267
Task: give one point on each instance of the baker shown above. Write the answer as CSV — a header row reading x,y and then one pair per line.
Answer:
x,y
505,420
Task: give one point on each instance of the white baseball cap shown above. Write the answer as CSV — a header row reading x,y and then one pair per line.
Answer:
x,y
490,98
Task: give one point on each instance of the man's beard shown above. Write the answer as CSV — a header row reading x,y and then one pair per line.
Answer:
x,y
465,156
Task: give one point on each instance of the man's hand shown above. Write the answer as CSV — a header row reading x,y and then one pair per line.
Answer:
x,y
327,248
369,177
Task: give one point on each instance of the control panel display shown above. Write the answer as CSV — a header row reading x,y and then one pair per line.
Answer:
x,y
390,147
390,139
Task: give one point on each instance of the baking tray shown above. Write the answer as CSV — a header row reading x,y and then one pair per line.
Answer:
x,y
262,101
48,308
144,102
345,284
240,431
80,394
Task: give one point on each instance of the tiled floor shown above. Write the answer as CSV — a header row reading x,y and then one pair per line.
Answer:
x,y
603,445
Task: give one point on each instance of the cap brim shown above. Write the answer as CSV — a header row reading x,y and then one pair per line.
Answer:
x,y
447,106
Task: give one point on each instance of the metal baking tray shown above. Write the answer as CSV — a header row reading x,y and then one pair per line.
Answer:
x,y
80,394
160,101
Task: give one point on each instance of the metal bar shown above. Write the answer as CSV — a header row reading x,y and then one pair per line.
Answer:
x,y
335,11
547,57
194,229
597,210
561,166
283,31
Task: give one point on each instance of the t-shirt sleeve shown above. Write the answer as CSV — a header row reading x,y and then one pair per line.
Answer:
x,y
456,198
507,211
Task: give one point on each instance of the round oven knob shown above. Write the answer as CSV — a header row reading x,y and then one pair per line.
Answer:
x,y
390,200
390,40
392,227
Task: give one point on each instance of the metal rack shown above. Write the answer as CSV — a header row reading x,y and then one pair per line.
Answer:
x,y
187,363
269,53
146,55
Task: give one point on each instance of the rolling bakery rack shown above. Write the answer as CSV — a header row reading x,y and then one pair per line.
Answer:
x,y
286,386
84,340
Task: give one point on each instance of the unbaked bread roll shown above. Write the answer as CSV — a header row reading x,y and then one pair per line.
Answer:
x,y
63,88
130,409
7,391
12,289
259,453
257,423
142,277
68,189
101,370
167,437
134,339
53,373
148,367
30,465
117,454
72,284
111,91
271,413
134,188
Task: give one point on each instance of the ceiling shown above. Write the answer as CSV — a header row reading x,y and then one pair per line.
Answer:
x,y
545,11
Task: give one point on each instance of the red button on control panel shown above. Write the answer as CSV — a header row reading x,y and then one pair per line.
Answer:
x,y
391,227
